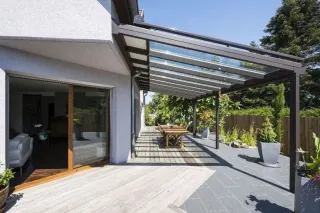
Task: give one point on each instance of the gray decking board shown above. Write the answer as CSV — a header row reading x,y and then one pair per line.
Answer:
x,y
129,188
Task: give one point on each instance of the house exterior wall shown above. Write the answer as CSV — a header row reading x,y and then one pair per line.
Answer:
x,y
4,117
16,62
63,19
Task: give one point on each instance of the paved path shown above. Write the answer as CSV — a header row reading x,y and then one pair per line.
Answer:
x,y
238,184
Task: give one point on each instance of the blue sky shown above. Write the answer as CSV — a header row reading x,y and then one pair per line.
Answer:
x,y
239,21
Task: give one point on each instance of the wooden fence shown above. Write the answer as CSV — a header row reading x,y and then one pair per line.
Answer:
x,y
308,125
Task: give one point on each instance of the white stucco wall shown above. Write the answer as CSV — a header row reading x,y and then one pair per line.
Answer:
x,y
4,117
17,62
63,19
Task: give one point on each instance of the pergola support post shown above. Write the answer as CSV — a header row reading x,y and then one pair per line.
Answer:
x,y
295,180
194,129
217,103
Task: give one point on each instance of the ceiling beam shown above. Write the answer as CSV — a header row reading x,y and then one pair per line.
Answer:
x,y
136,50
137,61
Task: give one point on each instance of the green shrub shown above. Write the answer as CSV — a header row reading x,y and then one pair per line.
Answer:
x,y
5,177
228,137
249,137
235,134
266,133
267,111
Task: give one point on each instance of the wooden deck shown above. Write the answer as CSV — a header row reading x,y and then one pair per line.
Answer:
x,y
116,188
158,180
151,150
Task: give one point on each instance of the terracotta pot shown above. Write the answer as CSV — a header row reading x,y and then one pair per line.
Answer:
x,y
3,197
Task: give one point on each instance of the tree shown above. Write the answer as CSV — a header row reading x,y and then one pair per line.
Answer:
x,y
295,30
148,119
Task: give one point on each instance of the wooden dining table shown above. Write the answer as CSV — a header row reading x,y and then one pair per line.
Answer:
x,y
172,132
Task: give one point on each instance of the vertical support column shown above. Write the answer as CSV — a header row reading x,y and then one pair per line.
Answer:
x,y
194,128
70,127
4,118
295,180
217,103
132,119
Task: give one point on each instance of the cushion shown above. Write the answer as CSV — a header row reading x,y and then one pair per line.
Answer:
x,y
13,133
14,142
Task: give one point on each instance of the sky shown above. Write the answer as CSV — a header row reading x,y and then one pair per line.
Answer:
x,y
239,21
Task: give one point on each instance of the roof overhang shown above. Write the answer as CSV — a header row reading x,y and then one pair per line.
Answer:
x,y
193,66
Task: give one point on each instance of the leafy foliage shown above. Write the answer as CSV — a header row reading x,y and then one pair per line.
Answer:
x,y
266,133
225,106
170,109
267,111
249,137
235,134
5,177
148,119
206,119
312,170
295,30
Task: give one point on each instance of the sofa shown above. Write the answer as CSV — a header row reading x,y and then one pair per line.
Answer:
x,y
20,150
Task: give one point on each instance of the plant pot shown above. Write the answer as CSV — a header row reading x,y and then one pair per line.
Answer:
x,y
3,197
77,132
268,152
205,133
310,196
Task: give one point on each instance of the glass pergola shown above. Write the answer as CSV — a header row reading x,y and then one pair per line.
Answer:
x,y
192,66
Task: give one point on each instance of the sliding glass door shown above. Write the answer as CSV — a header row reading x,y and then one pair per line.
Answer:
x,y
90,125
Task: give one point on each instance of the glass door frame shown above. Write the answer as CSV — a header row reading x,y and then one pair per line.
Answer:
x,y
71,129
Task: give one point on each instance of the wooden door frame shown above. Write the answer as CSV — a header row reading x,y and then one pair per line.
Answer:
x,y
70,127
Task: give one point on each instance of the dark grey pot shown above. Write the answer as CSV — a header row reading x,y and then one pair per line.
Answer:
x,y
310,196
268,152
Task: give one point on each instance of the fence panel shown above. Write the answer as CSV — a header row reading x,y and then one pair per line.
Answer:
x,y
308,125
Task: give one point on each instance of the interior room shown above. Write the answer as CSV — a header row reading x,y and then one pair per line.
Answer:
x,y
38,129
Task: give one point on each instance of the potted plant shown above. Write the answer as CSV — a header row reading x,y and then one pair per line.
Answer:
x,y
310,173
206,118
77,129
268,147
5,177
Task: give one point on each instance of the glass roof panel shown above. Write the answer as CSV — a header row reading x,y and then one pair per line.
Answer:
x,y
201,69
210,57
188,76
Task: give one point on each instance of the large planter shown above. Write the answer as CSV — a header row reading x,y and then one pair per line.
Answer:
x,y
77,129
269,153
3,197
205,133
310,196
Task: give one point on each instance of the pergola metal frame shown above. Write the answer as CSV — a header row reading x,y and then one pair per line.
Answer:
x,y
179,79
